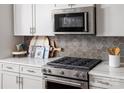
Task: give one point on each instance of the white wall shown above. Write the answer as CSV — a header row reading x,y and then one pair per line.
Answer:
x,y
7,40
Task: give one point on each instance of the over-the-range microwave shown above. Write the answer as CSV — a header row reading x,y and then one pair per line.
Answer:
x,y
74,20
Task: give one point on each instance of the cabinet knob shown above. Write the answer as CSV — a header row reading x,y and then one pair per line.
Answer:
x,y
44,70
62,72
76,75
49,71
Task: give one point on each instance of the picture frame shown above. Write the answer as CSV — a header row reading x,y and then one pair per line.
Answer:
x,y
39,52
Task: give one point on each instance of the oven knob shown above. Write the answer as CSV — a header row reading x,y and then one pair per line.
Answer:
x,y
77,75
62,72
83,76
49,71
44,70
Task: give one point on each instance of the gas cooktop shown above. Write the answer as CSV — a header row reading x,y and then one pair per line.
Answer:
x,y
75,63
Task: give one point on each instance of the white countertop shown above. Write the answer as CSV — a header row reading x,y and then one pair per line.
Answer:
x,y
104,70
101,69
27,61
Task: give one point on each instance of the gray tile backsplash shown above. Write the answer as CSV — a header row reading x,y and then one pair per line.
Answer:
x,y
88,46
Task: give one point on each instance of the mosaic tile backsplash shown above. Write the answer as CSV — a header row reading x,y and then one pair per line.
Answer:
x,y
88,46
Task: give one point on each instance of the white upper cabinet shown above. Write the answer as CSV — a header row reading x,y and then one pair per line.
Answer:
x,y
110,20
22,19
63,6
44,20
30,20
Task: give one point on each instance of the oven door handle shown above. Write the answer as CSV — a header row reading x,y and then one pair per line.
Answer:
x,y
63,82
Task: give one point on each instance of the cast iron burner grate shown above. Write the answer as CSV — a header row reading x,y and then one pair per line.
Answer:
x,y
75,63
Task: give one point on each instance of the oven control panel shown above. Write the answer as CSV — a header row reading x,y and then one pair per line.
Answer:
x,y
76,74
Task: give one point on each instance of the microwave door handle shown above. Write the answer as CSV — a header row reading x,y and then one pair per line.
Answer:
x,y
85,21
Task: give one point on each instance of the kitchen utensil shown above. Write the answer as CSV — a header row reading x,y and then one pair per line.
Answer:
x,y
117,51
54,49
110,51
114,51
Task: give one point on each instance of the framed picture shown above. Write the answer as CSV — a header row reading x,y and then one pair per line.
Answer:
x,y
39,52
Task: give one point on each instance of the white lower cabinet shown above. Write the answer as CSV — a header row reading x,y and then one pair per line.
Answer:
x,y
10,80
0,75
101,82
30,82
15,81
20,77
0,79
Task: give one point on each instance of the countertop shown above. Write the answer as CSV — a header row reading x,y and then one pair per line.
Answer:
x,y
104,70
37,62
101,69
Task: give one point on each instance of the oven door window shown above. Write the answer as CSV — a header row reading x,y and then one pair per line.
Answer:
x,y
53,85
72,22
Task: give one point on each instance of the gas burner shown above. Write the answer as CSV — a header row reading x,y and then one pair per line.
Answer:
x,y
75,63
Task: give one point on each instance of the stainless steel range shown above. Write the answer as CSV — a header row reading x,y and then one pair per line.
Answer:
x,y
68,73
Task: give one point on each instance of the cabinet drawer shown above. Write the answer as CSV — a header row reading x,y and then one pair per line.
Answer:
x,y
11,67
105,82
30,70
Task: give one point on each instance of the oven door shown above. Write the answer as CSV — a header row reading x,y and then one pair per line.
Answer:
x,y
53,82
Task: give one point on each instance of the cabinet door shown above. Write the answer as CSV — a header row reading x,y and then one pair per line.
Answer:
x,y
10,80
110,19
1,75
44,20
22,19
31,82
0,80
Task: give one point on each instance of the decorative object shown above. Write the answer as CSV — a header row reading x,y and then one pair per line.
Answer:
x,y
39,53
51,49
114,57
114,60
21,50
19,53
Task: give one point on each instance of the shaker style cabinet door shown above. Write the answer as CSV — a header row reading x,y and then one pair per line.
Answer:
x,y
31,82
23,19
110,19
44,20
30,20
10,80
0,80
0,75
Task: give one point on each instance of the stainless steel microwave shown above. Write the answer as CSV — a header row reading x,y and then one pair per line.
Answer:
x,y
74,20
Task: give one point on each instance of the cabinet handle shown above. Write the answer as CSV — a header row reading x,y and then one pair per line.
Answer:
x,y
31,71
17,79
9,67
71,5
54,5
30,30
105,83
21,81
33,30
